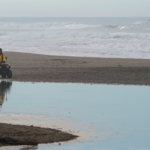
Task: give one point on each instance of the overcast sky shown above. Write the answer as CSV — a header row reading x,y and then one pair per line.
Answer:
x,y
74,8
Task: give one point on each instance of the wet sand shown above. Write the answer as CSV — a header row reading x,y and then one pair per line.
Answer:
x,y
43,68
11,135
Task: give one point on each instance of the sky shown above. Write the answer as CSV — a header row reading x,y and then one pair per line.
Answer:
x,y
74,8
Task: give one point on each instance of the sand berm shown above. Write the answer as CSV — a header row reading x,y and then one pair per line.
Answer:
x,y
44,68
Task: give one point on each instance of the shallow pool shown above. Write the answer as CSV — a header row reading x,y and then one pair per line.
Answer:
x,y
106,117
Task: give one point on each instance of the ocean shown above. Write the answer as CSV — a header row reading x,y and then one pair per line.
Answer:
x,y
83,37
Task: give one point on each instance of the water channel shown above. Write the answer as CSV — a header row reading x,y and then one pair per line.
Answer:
x,y
106,117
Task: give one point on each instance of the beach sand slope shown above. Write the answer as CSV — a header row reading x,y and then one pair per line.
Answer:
x,y
43,68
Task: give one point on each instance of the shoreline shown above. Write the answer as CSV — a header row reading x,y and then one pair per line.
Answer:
x,y
76,56
45,68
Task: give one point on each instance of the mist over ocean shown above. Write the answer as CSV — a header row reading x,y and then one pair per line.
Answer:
x,y
89,37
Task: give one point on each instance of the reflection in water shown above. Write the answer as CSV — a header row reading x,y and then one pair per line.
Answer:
x,y
29,148
4,88
19,148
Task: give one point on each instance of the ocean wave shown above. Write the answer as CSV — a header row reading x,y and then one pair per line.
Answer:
x,y
137,27
44,26
64,36
137,23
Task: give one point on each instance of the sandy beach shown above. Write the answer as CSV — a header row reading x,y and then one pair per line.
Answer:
x,y
43,68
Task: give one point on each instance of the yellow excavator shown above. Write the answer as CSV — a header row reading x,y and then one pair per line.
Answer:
x,y
5,70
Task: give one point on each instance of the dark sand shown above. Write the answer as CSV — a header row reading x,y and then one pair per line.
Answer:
x,y
43,68
28,135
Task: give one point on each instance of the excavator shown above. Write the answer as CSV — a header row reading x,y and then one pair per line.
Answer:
x,y
5,70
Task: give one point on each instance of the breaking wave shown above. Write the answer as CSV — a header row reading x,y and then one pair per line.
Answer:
x,y
44,26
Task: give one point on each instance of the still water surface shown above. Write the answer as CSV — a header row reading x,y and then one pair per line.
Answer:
x,y
107,117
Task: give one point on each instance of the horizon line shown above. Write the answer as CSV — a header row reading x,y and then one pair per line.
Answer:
x,y
75,17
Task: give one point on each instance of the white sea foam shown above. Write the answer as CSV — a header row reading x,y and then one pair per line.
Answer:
x,y
44,26
90,38
137,23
